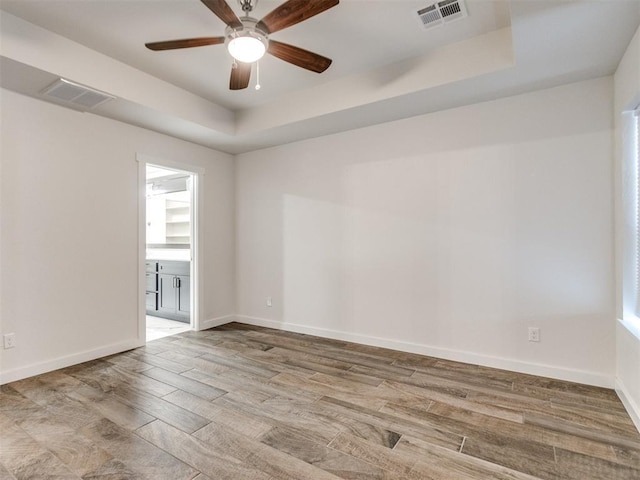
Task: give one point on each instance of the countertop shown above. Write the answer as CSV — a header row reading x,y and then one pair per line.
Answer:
x,y
168,254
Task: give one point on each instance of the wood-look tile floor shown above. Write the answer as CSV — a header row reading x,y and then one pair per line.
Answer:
x,y
247,403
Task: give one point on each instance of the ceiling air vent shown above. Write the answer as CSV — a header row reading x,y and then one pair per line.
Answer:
x,y
75,95
442,12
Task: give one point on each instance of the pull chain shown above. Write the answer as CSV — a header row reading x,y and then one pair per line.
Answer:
x,y
257,75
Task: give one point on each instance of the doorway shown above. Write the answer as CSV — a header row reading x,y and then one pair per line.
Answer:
x,y
168,251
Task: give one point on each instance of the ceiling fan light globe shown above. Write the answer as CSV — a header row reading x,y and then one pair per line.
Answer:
x,y
246,49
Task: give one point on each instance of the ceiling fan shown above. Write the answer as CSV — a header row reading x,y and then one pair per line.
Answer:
x,y
247,39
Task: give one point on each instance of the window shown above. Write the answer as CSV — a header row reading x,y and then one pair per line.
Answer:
x,y
631,220
634,141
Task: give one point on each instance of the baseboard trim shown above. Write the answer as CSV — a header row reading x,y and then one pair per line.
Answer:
x,y
633,409
67,361
571,375
579,376
216,322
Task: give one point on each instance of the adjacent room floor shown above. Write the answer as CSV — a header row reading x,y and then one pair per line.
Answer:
x,y
240,402
161,327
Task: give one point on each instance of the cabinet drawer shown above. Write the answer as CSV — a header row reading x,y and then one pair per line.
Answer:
x,y
174,267
151,266
152,282
152,301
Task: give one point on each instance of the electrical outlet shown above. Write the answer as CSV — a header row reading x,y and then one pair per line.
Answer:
x,y
534,334
9,340
269,302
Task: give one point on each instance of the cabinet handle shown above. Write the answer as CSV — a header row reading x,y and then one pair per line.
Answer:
x,y
178,282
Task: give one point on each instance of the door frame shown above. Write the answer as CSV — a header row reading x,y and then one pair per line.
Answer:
x,y
197,174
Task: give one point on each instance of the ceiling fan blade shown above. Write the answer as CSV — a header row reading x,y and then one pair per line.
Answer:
x,y
224,12
298,56
240,76
184,43
292,12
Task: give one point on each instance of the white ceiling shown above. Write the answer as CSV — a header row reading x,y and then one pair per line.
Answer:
x,y
385,64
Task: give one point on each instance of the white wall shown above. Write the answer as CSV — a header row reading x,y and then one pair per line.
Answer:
x,y
446,234
69,232
627,97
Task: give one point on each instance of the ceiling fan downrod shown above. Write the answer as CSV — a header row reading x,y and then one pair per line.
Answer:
x,y
247,6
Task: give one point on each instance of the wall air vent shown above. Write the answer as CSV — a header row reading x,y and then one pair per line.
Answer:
x,y
442,12
75,95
